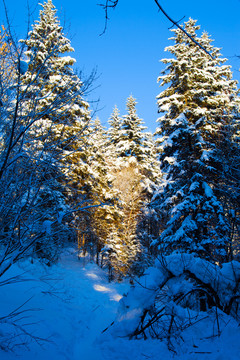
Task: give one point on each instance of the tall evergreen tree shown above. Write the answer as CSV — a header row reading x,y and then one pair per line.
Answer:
x,y
131,133
115,122
135,171
56,92
128,139
198,107
51,89
101,193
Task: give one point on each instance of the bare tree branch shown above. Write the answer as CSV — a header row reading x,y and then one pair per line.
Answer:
x,y
111,4
108,4
181,28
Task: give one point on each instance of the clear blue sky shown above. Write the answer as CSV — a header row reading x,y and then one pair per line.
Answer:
x,y
127,55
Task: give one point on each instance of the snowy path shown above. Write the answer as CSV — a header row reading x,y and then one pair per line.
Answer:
x,y
95,308
76,303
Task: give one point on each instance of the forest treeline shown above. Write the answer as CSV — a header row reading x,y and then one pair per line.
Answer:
x,y
123,195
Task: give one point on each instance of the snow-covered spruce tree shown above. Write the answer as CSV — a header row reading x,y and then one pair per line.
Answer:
x,y
232,189
102,215
197,106
51,89
56,85
147,229
115,122
131,133
29,211
135,170
127,139
128,181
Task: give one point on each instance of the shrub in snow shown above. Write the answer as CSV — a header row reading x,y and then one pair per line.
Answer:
x,y
179,292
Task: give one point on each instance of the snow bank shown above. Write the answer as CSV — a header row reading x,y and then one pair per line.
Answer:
x,y
162,294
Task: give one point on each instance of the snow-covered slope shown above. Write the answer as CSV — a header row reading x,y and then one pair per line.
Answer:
x,y
71,304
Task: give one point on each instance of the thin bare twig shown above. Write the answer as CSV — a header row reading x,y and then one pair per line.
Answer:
x,y
113,3
175,23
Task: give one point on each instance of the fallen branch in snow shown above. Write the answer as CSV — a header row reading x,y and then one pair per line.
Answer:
x,y
107,327
200,352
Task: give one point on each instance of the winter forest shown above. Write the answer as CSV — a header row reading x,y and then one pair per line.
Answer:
x,y
116,242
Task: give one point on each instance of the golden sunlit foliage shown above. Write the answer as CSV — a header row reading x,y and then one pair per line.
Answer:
x,y
8,58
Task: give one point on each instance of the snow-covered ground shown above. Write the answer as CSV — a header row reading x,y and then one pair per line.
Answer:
x,y
71,303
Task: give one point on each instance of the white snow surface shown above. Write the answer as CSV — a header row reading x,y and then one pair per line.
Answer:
x,y
72,302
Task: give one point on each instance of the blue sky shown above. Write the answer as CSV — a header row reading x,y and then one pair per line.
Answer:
x,y
127,55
